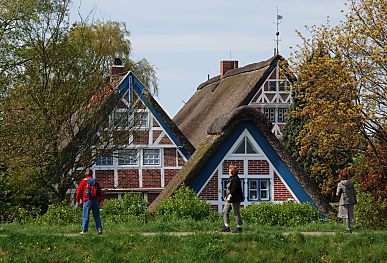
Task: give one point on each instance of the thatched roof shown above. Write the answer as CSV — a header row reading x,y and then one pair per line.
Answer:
x,y
218,132
217,97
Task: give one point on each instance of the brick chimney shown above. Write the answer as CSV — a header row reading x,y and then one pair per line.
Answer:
x,y
117,68
226,65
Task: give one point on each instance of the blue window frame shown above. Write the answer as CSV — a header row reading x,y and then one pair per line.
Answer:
x,y
224,183
258,190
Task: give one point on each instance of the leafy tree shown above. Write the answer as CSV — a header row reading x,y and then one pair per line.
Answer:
x,y
339,115
46,126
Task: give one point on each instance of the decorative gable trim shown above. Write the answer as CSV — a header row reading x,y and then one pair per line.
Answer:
x,y
131,82
280,167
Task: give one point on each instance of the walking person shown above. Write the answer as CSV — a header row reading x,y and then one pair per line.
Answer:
x,y
89,191
347,194
233,198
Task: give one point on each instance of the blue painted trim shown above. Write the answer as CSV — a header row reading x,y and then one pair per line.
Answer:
x,y
130,81
268,150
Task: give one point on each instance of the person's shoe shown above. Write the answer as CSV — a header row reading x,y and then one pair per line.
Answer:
x,y
348,230
99,232
225,229
83,233
238,230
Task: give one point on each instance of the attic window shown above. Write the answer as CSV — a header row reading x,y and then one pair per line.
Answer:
x,y
245,147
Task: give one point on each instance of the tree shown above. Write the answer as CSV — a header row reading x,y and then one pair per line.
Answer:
x,y
62,66
340,97
323,128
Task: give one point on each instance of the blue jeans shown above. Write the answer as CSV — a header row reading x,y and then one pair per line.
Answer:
x,y
92,205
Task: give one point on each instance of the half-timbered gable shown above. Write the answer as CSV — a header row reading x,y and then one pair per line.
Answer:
x,y
274,98
148,148
244,138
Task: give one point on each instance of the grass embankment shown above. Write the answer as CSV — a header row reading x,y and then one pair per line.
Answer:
x,y
126,243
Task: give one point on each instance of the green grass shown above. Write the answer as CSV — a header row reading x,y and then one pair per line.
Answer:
x,y
125,243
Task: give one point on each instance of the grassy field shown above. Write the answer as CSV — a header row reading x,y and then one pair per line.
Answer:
x,y
127,243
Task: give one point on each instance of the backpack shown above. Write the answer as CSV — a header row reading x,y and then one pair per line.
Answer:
x,y
93,188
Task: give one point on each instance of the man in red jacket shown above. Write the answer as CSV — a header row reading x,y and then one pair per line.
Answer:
x,y
89,202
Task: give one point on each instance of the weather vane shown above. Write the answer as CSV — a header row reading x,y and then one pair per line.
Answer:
x,y
279,20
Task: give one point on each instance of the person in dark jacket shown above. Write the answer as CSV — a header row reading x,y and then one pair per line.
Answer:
x,y
89,204
233,198
347,194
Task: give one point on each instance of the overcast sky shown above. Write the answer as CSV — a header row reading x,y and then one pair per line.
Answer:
x,y
186,40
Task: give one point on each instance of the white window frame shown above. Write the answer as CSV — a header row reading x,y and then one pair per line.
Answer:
x,y
128,161
258,190
144,159
142,124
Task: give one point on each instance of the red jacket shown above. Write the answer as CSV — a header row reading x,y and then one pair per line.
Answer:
x,y
81,192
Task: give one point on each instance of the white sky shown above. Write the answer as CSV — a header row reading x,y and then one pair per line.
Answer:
x,y
185,40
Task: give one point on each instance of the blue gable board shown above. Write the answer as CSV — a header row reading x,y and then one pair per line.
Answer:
x,y
131,81
271,154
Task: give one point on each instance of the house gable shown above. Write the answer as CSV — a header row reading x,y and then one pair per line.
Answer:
x,y
225,152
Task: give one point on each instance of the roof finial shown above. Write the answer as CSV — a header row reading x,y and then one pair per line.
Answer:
x,y
279,20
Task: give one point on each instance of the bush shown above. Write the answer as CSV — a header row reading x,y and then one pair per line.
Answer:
x,y
17,214
185,204
286,214
131,208
370,212
61,214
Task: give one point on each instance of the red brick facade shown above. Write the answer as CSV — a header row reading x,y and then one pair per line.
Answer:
x,y
141,137
180,160
210,191
237,163
169,156
280,191
155,123
169,174
258,167
152,197
105,178
166,140
128,178
151,178
156,134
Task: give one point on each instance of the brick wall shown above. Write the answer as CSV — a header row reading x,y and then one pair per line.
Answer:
x,y
151,178
140,137
155,123
105,178
156,134
169,157
280,191
210,191
128,178
152,197
166,140
169,174
258,167
238,163
180,160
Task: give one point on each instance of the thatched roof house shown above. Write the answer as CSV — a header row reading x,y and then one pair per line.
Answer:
x,y
224,130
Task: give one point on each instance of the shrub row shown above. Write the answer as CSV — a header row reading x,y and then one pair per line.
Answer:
x,y
286,214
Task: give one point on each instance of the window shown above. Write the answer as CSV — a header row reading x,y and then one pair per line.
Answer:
x,y
272,85
224,187
127,157
105,159
141,119
151,156
270,114
245,147
282,114
258,190
121,118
